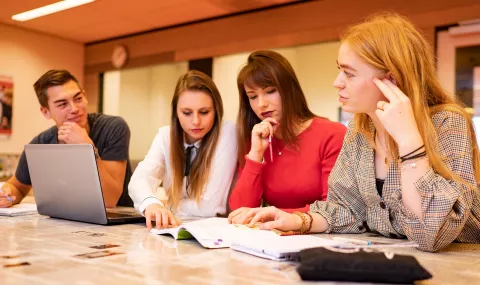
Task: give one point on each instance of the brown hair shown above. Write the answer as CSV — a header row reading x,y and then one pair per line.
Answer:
x,y
51,78
267,68
391,43
200,169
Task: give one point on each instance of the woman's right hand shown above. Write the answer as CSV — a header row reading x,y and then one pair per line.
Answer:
x,y
260,134
6,193
161,215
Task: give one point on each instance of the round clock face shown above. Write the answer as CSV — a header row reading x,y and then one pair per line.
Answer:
x,y
119,56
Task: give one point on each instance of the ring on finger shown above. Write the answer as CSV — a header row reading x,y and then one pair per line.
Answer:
x,y
382,105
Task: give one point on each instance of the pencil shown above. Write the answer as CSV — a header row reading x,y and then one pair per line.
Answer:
x,y
8,197
270,144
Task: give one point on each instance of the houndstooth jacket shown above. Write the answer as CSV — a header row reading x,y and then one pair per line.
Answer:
x,y
451,210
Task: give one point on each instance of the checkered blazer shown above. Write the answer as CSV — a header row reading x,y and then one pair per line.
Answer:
x,y
451,210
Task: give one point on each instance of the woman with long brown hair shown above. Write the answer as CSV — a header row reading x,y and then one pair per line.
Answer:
x,y
285,151
194,157
409,166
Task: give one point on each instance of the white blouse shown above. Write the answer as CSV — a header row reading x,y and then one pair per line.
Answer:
x,y
156,168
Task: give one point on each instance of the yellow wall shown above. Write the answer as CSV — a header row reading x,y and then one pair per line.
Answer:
x,y
25,56
142,96
315,68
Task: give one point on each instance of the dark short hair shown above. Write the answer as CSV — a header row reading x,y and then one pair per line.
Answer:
x,y
51,78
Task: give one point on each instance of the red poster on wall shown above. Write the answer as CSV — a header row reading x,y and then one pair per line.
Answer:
x,y
6,99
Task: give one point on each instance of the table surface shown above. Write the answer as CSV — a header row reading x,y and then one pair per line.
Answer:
x,y
51,248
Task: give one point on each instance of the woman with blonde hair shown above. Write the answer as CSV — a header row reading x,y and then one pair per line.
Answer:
x,y
409,166
194,157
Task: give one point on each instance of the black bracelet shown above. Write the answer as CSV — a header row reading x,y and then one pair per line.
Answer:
x,y
422,154
406,155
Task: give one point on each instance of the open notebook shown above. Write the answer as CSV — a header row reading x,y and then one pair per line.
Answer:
x,y
216,232
19,210
274,245
210,233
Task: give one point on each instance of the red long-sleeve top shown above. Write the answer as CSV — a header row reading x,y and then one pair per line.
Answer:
x,y
296,177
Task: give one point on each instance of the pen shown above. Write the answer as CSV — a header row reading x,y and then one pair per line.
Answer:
x,y
353,241
8,197
270,144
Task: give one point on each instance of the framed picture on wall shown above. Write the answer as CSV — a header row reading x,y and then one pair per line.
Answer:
x,y
6,100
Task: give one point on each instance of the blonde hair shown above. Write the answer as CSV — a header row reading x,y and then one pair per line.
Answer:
x,y
200,169
391,43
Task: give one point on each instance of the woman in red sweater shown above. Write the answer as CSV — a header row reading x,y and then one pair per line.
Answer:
x,y
285,151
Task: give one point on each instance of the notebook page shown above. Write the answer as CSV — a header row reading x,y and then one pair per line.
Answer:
x,y
218,233
171,231
212,232
19,210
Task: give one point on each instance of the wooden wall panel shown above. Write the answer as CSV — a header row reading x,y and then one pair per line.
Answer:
x,y
304,23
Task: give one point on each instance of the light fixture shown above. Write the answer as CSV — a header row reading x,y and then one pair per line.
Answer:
x,y
49,9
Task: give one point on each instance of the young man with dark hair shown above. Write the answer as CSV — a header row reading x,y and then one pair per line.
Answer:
x,y
62,99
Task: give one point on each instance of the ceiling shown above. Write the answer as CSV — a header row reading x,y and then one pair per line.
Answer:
x,y
105,19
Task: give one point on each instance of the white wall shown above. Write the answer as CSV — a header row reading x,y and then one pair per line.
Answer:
x,y
25,56
142,96
134,101
164,78
111,93
315,68
225,71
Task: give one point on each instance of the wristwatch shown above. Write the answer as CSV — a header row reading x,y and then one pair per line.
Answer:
x,y
95,152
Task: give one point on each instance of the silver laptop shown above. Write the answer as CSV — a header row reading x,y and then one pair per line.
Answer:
x,y
67,185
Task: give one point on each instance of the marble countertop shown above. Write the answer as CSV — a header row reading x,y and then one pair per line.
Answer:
x,y
41,250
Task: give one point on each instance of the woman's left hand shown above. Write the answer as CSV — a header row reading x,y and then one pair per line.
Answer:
x,y
241,215
397,116
269,217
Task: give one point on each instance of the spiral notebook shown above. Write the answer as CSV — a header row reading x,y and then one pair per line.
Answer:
x,y
280,248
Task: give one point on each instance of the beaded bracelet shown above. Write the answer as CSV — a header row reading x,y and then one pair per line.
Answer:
x,y
311,222
303,227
